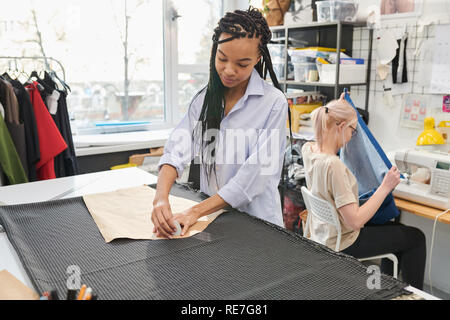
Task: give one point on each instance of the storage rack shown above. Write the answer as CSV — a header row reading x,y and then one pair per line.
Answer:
x,y
45,59
336,34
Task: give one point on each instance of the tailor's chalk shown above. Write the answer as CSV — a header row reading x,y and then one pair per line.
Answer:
x,y
178,226
88,294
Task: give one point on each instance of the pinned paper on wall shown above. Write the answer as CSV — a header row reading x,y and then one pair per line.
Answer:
x,y
440,73
446,104
414,111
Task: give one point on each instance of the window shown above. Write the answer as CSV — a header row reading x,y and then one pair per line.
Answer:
x,y
195,25
128,62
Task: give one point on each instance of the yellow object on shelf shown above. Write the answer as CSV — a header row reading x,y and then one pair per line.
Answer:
x,y
444,129
429,136
297,110
122,166
322,60
319,49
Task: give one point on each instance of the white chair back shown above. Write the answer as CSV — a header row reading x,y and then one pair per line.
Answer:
x,y
322,210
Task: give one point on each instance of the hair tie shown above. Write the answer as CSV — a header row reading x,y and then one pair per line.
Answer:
x,y
326,109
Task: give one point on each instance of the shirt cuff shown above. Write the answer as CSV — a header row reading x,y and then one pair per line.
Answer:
x,y
169,159
233,194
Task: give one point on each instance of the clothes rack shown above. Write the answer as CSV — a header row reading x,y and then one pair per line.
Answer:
x,y
15,58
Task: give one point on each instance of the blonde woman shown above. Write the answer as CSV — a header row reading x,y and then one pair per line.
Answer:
x,y
328,177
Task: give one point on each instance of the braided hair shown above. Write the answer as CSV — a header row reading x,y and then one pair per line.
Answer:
x,y
239,24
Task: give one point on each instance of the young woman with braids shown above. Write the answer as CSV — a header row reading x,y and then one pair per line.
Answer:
x,y
236,103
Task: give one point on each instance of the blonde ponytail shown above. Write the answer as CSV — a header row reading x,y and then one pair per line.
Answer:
x,y
334,111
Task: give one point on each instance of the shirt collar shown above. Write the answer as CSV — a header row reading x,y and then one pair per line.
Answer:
x,y
255,84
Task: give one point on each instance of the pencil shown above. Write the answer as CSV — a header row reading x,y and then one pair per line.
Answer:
x,y
81,294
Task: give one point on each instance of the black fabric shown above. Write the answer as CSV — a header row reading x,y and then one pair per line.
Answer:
x,y
28,118
407,243
395,62
3,94
65,162
236,257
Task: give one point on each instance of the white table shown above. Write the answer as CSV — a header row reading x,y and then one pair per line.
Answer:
x,y
70,187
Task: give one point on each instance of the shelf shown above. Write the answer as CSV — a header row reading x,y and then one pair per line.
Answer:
x,y
318,25
320,84
334,34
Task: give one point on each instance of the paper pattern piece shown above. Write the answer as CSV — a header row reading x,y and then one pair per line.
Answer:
x,y
126,213
446,103
440,74
12,288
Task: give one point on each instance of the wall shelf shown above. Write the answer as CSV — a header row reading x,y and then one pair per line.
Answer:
x,y
335,34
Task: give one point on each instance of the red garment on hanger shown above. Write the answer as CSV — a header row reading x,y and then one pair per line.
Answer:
x,y
51,143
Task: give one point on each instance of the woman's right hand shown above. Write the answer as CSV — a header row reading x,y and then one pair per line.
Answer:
x,y
162,218
391,179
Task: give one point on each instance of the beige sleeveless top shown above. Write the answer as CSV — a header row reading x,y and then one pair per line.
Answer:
x,y
329,178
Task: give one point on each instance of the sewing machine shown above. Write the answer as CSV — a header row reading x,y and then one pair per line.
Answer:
x,y
426,177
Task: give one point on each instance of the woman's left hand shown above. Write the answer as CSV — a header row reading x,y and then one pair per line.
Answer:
x,y
342,97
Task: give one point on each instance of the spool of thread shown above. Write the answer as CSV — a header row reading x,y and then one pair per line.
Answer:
x,y
313,76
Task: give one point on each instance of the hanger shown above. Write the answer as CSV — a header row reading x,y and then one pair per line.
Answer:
x,y
34,74
55,76
21,73
5,76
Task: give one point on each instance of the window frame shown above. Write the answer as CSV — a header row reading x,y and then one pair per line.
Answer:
x,y
171,66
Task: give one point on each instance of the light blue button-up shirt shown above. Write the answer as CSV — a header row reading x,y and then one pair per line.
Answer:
x,y
249,152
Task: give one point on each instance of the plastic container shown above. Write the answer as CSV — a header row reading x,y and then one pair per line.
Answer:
x,y
309,54
277,52
278,68
300,56
303,71
323,11
348,73
336,10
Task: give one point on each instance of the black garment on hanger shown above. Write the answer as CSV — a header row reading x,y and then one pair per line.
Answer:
x,y
27,117
66,162
395,63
